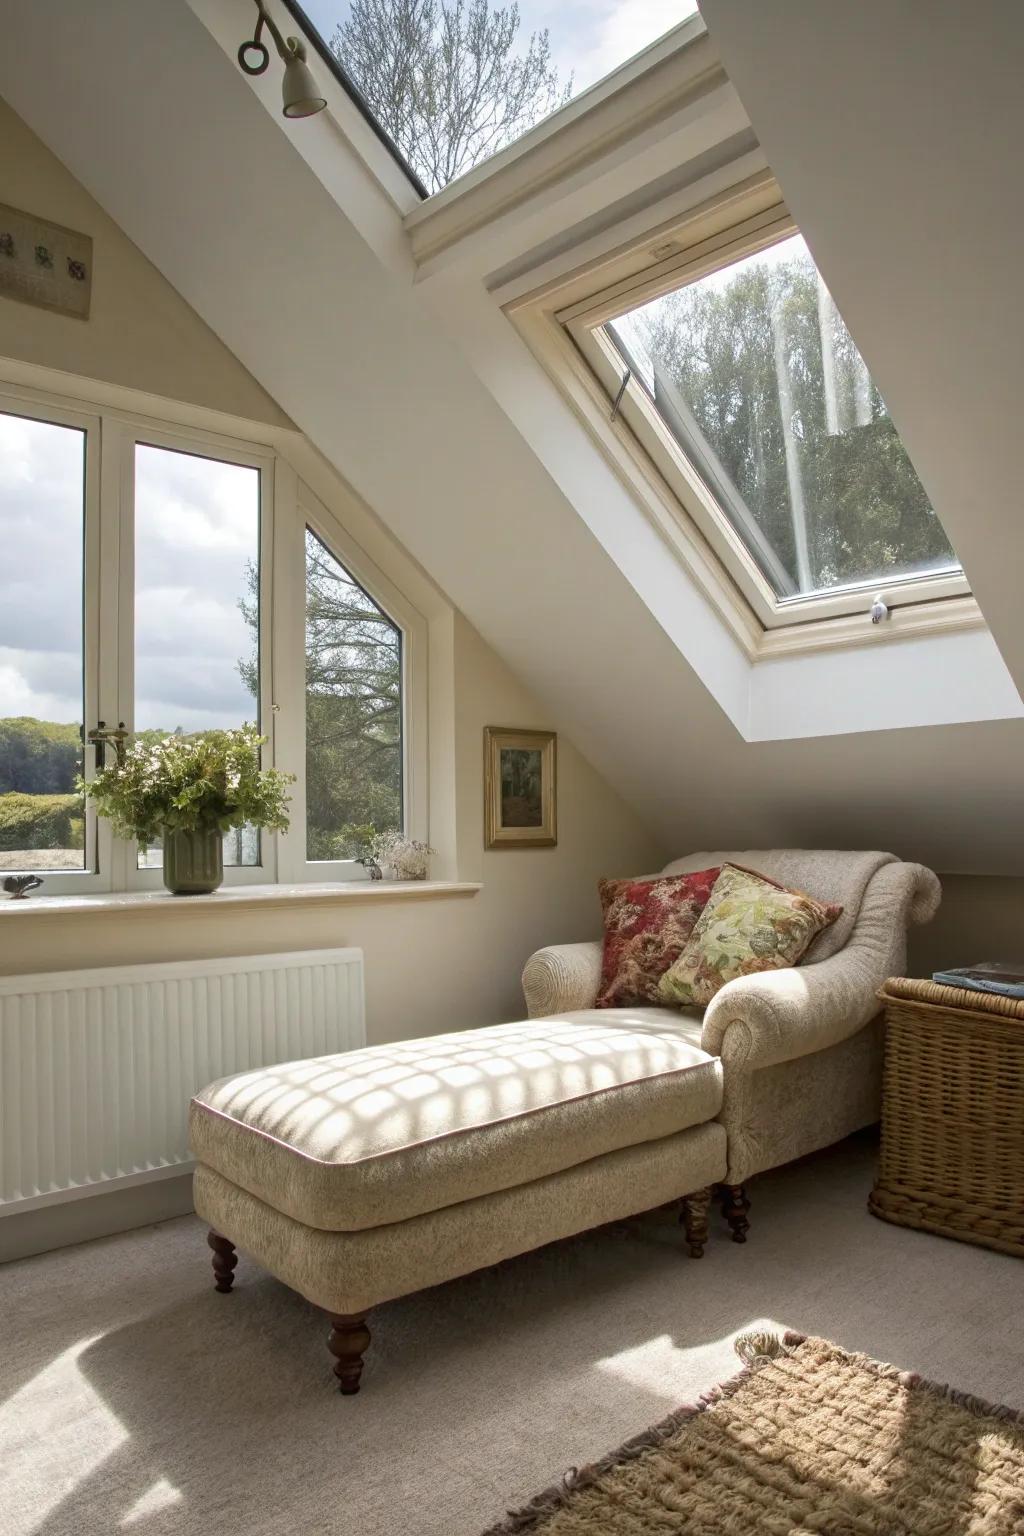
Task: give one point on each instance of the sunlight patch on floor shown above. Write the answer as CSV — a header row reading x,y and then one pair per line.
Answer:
x,y
53,1407
659,1365
162,1495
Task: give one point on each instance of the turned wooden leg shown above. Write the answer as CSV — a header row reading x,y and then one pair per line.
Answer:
x,y
735,1206
348,1341
224,1260
694,1217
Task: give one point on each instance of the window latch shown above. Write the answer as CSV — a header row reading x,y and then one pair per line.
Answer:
x,y
617,402
99,737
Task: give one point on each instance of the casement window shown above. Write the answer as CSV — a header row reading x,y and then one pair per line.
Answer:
x,y
155,577
728,371
353,712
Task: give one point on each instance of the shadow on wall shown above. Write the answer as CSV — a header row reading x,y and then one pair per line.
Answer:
x,y
981,918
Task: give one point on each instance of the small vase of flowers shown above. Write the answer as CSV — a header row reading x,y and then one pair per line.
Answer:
x,y
188,791
404,858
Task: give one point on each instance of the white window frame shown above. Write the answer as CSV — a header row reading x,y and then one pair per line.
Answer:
x,y
287,506
562,322
95,876
290,684
126,434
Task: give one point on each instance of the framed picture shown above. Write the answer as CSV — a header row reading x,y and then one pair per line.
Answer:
x,y
519,788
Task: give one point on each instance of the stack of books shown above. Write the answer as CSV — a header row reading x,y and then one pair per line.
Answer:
x,y
1004,977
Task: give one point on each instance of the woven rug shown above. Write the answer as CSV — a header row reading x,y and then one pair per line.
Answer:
x,y
807,1438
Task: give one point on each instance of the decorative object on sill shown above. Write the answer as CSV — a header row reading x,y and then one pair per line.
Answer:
x,y
299,90
20,885
372,868
520,797
405,857
804,1426
44,264
189,791
193,862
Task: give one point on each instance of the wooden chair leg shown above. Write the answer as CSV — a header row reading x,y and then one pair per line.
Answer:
x,y
224,1260
694,1217
348,1341
735,1205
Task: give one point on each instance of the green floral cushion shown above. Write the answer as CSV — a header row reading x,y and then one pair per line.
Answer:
x,y
750,924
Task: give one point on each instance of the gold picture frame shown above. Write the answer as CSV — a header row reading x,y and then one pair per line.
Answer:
x,y
520,791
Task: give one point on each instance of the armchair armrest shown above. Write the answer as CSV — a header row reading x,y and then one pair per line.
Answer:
x,y
561,978
756,1021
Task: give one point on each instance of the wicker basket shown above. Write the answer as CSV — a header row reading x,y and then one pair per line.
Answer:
x,y
952,1157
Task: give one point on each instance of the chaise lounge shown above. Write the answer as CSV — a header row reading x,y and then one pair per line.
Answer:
x,y
365,1176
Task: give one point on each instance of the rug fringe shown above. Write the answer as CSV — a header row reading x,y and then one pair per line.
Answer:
x,y
758,1349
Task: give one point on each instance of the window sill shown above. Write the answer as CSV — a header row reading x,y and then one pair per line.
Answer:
x,y
338,893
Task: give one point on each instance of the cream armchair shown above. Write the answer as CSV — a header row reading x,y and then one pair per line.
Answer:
x,y
801,1048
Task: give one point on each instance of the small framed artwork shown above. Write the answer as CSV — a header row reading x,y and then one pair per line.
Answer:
x,y
519,788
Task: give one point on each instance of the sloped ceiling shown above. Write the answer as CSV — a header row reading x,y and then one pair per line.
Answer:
x,y
154,118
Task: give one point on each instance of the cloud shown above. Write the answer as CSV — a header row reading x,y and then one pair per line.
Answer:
x,y
622,30
197,529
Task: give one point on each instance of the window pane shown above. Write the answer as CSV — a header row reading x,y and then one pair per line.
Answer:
x,y
353,712
759,381
454,83
42,526
197,541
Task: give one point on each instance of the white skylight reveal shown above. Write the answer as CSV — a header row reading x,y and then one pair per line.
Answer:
x,y
453,81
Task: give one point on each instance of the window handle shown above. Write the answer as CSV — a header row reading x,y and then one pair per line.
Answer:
x,y
617,402
99,737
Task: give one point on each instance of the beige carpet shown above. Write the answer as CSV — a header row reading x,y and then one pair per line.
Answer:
x,y
133,1398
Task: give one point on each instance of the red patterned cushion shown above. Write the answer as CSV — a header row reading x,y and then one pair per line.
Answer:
x,y
646,924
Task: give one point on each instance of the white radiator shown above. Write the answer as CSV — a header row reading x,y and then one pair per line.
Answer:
x,y
97,1067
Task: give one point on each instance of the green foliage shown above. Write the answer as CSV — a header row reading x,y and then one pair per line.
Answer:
x,y
38,757
31,822
190,783
446,78
722,343
353,712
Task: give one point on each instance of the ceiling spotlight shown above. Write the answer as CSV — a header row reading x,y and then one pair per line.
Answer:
x,y
300,93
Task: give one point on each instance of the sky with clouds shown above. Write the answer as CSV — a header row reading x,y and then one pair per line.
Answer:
x,y
589,38
197,527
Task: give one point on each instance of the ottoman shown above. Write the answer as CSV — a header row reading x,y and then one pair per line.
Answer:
x,y
364,1176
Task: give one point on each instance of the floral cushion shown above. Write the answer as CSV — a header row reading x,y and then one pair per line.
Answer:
x,y
749,924
646,924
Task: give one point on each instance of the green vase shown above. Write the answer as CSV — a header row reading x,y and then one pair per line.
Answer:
x,y
193,861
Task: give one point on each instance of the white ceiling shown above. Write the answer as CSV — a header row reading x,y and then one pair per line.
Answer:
x,y
301,266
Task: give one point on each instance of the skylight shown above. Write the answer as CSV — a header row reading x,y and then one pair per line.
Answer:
x,y
757,379
451,82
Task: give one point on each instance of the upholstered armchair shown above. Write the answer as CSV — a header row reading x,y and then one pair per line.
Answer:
x,y
801,1048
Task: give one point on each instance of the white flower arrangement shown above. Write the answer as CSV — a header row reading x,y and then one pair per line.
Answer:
x,y
406,857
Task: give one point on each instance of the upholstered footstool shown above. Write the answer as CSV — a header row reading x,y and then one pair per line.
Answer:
x,y
361,1177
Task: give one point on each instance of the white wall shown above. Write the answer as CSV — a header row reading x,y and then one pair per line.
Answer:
x,y
429,966
140,332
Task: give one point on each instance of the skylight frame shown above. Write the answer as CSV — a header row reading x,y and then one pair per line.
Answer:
x,y
694,503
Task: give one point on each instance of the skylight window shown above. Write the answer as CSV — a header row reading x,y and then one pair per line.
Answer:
x,y
451,82
756,378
